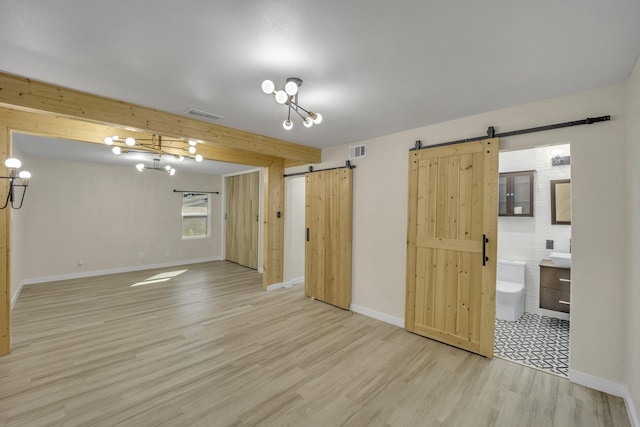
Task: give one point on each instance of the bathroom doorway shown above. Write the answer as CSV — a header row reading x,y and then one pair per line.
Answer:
x,y
534,228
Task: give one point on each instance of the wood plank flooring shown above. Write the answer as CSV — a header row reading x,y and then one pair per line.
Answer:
x,y
210,348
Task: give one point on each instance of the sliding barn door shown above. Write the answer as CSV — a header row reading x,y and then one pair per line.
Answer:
x,y
242,194
451,244
328,248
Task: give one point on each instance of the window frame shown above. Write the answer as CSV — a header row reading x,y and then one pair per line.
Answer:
x,y
207,216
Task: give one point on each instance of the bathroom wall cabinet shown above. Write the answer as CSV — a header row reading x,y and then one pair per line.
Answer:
x,y
555,287
515,193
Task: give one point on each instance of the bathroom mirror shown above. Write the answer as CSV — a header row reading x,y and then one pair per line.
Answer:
x,y
561,201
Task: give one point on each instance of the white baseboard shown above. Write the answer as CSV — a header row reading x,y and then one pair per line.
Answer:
x,y
397,321
293,282
287,284
85,274
15,297
596,383
609,387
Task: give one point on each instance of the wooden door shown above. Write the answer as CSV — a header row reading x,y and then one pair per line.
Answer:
x,y
328,220
242,194
453,207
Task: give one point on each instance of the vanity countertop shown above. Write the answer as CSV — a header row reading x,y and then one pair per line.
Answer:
x,y
549,263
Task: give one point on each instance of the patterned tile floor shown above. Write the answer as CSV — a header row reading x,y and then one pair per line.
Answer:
x,y
538,341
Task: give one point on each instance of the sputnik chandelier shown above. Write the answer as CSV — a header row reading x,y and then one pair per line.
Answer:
x,y
154,145
289,96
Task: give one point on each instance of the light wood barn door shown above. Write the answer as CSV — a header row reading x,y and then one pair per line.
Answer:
x,y
328,219
453,208
241,229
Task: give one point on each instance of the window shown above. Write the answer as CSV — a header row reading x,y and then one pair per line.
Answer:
x,y
195,215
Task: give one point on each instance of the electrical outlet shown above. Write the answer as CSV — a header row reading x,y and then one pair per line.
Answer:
x,y
549,244
80,262
168,253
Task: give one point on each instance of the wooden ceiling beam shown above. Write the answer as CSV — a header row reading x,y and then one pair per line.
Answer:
x,y
76,130
26,94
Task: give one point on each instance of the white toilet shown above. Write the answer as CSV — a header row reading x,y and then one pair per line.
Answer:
x,y
510,290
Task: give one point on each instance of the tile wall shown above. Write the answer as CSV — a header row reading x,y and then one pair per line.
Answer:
x,y
524,238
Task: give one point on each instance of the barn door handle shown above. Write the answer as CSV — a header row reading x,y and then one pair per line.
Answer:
x,y
307,234
485,258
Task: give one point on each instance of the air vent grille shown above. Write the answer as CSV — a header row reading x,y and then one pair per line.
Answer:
x,y
357,151
203,115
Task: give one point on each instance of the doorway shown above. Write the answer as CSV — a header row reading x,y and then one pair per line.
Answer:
x,y
540,336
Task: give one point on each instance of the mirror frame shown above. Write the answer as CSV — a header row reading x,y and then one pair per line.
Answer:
x,y
555,203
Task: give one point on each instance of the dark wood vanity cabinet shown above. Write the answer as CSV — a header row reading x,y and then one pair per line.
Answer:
x,y
555,287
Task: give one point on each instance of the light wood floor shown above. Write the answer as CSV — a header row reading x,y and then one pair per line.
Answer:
x,y
210,348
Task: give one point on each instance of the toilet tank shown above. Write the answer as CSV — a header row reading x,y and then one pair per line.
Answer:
x,y
510,271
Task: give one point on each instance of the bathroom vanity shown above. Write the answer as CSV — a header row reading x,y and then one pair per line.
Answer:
x,y
555,287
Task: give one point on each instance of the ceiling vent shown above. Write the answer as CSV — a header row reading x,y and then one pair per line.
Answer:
x,y
357,151
202,115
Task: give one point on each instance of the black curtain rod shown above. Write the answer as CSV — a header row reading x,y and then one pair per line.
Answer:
x,y
491,132
347,165
196,192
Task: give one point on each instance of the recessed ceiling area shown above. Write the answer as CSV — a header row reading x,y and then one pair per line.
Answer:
x,y
62,149
371,68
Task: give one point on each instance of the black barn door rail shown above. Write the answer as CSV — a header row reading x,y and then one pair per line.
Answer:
x,y
347,165
491,133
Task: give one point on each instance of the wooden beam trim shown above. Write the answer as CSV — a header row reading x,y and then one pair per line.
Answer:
x,y
73,129
27,94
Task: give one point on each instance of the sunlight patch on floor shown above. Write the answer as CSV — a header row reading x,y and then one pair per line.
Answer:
x,y
160,278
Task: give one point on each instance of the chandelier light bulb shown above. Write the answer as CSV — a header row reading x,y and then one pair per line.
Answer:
x,y
291,88
281,97
172,171
13,163
115,138
317,118
268,87
140,167
180,157
192,143
167,168
199,158
24,175
130,142
192,150
287,124
307,122
116,150
108,140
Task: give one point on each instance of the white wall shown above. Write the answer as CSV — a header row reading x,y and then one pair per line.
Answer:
x,y
294,229
106,216
633,294
599,199
524,238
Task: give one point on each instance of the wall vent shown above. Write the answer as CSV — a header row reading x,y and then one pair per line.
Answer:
x,y
357,151
202,115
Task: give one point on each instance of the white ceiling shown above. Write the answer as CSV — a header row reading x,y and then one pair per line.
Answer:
x,y
371,68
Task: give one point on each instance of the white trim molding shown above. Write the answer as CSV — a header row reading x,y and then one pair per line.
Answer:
x,y
94,273
609,387
287,284
15,297
396,321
